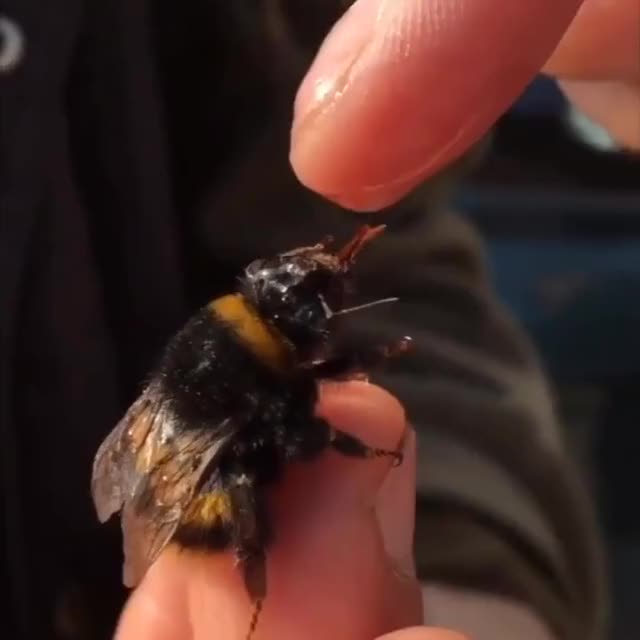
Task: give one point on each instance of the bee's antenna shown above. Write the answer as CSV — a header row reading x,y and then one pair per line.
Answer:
x,y
375,303
254,618
330,313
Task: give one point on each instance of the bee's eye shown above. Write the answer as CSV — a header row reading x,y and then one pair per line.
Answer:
x,y
263,277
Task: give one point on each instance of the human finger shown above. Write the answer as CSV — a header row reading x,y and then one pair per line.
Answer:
x,y
401,88
602,43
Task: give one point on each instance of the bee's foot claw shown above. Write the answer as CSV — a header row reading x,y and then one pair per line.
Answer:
x,y
398,456
398,348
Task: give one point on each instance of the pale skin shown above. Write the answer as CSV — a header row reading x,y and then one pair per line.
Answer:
x,y
401,88
432,76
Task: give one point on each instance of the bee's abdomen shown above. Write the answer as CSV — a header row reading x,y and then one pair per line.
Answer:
x,y
207,524
212,536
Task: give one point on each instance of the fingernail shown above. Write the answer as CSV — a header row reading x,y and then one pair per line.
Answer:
x,y
332,66
396,509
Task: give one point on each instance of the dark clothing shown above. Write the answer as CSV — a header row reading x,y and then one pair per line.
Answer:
x,y
143,161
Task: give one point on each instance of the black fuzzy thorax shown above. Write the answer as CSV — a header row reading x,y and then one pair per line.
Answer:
x,y
209,374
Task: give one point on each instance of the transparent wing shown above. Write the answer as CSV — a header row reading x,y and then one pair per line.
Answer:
x,y
149,468
151,516
114,467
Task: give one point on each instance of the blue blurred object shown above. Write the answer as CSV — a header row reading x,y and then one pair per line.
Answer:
x,y
562,227
579,299
567,263
541,98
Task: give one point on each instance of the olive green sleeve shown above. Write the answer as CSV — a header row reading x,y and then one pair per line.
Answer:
x,y
502,507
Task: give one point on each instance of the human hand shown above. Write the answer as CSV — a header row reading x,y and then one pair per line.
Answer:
x,y
339,569
401,88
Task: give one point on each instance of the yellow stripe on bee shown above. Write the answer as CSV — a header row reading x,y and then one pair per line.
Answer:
x,y
208,508
263,340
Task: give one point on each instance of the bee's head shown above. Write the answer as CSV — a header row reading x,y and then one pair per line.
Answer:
x,y
302,291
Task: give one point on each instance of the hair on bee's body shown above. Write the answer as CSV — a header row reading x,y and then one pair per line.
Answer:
x,y
231,403
221,366
208,366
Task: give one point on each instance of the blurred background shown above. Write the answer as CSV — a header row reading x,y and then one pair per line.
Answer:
x,y
186,108
559,208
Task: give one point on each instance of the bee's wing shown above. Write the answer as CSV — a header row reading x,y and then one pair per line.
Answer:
x,y
114,467
149,468
151,516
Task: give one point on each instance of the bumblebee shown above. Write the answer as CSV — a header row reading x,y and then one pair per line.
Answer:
x,y
230,404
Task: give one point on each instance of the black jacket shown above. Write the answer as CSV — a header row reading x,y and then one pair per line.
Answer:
x,y
143,161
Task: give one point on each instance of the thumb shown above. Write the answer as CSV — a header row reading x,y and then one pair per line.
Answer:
x,y
329,574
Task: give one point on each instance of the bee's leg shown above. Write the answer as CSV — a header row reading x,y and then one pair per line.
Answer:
x,y
351,446
304,435
250,538
317,434
250,533
254,569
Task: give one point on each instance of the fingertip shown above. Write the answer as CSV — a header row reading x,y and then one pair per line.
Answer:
x,y
423,633
429,81
364,410
157,609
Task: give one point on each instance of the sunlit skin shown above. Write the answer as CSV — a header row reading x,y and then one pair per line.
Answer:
x,y
430,77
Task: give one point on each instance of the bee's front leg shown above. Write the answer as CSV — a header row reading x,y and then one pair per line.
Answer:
x,y
349,445
314,435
